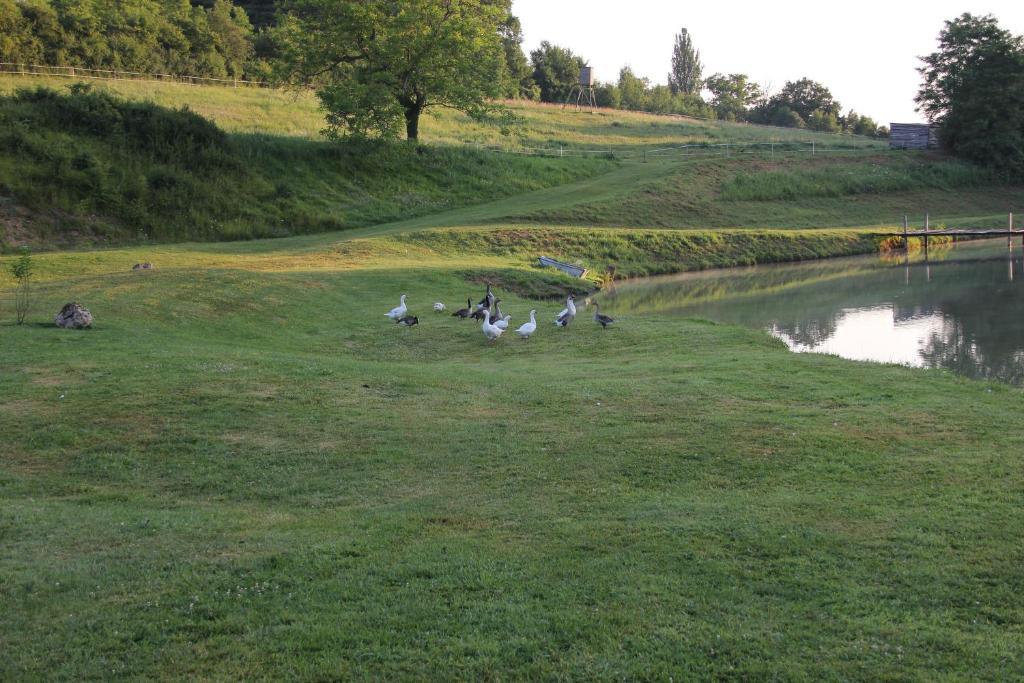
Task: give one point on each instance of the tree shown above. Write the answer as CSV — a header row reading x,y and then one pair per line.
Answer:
x,y
377,63
686,66
973,89
21,269
517,76
632,89
556,70
733,95
824,122
805,97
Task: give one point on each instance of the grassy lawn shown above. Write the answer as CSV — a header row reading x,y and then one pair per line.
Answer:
x,y
246,471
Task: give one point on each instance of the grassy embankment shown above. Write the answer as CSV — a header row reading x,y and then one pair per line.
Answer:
x,y
271,176
246,470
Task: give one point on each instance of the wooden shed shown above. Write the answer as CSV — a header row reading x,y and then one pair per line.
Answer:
x,y
913,136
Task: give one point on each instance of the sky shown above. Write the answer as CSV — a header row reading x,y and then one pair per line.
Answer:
x,y
865,52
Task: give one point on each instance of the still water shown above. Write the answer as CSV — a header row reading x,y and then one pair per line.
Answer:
x,y
962,309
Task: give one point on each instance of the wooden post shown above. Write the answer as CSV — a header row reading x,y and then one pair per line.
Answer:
x,y
926,236
906,240
1009,233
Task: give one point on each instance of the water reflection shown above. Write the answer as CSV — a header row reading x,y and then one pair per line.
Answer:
x,y
962,309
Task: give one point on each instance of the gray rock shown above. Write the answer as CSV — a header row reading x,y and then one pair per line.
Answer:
x,y
143,266
73,316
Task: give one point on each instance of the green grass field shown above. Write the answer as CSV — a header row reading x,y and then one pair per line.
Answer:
x,y
245,471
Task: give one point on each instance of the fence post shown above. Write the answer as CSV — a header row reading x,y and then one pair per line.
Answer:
x,y
812,149
1009,232
926,226
906,240
559,151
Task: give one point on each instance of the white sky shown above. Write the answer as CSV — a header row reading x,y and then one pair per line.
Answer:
x,y
864,52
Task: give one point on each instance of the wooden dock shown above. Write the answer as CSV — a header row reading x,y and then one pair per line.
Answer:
x,y
1009,231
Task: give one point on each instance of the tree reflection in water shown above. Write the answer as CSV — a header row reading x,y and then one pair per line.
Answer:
x,y
963,310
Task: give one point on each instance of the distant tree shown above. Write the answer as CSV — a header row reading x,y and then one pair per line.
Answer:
x,y
805,97
607,95
973,89
378,63
733,95
517,76
824,122
685,76
858,124
632,90
786,117
556,70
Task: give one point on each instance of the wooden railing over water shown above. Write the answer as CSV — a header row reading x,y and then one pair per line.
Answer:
x,y
927,232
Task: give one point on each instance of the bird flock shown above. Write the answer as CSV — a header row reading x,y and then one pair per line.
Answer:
x,y
493,324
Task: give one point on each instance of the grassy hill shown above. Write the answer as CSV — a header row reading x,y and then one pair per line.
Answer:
x,y
64,184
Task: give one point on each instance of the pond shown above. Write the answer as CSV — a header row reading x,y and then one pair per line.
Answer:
x,y
961,309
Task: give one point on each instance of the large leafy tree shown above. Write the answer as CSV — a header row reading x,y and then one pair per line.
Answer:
x,y
685,76
377,64
555,71
518,76
733,95
806,97
973,89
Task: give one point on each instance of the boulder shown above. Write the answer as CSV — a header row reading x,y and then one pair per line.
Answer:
x,y
143,266
73,316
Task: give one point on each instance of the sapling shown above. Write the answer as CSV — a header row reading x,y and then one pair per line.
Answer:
x,y
21,269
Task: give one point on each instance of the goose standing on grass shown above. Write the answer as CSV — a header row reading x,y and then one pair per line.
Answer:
x,y
526,329
398,311
488,299
439,307
503,323
567,314
408,321
464,312
480,313
602,320
491,331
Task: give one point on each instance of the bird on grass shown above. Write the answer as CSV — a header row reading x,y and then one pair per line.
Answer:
x,y
464,312
568,313
439,307
526,329
488,299
408,321
491,331
398,311
503,323
603,320
480,313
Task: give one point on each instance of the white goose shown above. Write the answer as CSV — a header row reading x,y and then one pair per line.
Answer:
x,y
567,314
526,329
492,332
503,323
439,307
399,311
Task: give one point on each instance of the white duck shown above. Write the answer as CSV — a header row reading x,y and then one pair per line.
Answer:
x,y
503,323
439,307
526,329
399,311
492,332
567,314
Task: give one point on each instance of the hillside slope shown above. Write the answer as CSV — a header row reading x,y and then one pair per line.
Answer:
x,y
87,167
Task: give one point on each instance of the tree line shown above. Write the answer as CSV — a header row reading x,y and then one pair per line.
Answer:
x,y
214,39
